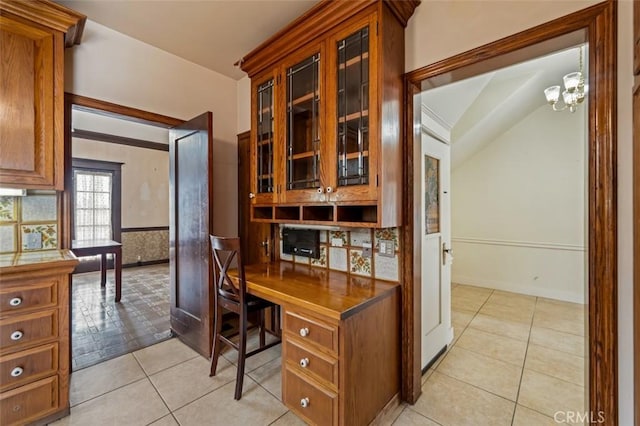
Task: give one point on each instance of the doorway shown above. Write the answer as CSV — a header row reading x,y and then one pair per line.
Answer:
x,y
596,26
117,188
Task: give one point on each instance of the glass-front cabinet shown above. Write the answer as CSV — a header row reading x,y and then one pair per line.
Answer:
x,y
354,172
264,146
304,111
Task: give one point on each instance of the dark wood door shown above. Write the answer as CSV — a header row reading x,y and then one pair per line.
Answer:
x,y
252,235
191,222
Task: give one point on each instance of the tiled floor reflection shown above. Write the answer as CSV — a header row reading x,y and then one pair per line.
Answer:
x,y
103,329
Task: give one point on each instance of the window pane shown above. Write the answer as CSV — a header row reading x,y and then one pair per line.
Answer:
x,y
84,217
102,200
93,200
84,182
102,217
102,183
103,232
84,200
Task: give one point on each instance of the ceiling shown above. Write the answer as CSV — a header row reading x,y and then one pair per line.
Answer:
x,y
211,33
481,108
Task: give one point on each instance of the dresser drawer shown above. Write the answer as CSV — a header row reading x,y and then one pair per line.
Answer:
x,y
42,293
29,402
310,401
311,330
22,330
322,366
26,366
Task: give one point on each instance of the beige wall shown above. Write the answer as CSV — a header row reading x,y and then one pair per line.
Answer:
x,y
441,29
113,67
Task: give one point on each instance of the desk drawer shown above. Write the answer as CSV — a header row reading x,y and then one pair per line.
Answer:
x,y
42,294
311,330
27,403
23,330
26,366
310,401
302,359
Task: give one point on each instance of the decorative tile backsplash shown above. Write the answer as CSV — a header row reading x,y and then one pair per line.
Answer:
x,y
344,251
29,223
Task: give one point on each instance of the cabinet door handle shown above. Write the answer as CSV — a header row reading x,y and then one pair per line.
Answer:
x,y
17,372
252,195
16,335
304,362
304,332
16,301
304,402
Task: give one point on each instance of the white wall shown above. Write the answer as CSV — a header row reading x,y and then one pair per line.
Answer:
x,y
434,33
518,209
113,67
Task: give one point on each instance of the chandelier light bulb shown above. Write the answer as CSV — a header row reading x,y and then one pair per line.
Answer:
x,y
572,81
552,94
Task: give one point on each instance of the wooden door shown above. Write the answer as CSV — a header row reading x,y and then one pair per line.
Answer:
x,y
352,111
190,223
252,235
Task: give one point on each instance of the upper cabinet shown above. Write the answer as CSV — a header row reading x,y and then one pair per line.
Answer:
x,y
326,130
33,35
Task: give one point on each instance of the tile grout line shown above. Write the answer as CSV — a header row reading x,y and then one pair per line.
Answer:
x,y
524,361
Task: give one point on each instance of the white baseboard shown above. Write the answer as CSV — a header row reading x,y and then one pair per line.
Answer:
x,y
566,296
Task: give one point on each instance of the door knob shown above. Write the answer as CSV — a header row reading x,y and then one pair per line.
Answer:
x,y
446,251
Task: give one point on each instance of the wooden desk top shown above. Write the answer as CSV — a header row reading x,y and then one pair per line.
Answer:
x,y
330,293
46,260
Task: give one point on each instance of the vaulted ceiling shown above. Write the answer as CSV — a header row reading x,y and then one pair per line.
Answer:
x,y
213,33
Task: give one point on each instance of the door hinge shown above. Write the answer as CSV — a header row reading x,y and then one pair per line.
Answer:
x,y
377,183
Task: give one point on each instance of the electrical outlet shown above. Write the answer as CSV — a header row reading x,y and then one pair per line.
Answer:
x,y
387,248
366,250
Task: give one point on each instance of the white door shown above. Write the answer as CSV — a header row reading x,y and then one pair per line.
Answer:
x,y
436,243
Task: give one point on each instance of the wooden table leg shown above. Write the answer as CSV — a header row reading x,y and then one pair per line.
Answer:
x,y
118,272
103,269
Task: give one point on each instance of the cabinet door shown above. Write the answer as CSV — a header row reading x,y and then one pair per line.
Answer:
x,y
353,115
304,120
30,119
263,140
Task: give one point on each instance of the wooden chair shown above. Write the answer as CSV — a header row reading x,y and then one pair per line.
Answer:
x,y
233,297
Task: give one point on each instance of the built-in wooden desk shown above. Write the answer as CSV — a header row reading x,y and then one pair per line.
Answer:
x,y
340,340
102,248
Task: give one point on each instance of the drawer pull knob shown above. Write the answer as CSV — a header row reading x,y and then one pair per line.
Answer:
x,y
16,301
252,195
304,362
17,372
304,332
16,335
304,402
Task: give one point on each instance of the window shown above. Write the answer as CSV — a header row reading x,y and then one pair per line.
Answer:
x,y
93,212
96,200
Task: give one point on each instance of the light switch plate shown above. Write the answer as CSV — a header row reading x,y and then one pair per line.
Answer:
x,y
366,250
387,248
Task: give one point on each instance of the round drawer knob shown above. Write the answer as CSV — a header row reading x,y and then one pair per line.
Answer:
x,y
16,335
304,362
320,190
304,332
329,189
16,301
304,402
17,372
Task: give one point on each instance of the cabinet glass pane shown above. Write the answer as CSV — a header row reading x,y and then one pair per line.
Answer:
x,y
303,131
353,109
265,138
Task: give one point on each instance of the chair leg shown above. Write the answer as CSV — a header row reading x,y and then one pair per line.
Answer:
x,y
262,333
242,351
217,344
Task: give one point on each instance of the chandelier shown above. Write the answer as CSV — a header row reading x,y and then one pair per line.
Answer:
x,y
573,93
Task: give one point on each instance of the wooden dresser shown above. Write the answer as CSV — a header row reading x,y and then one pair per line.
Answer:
x,y
34,336
340,342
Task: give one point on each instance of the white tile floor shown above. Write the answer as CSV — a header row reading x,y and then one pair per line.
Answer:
x,y
516,360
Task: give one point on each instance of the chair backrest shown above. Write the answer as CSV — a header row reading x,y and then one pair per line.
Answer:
x,y
223,251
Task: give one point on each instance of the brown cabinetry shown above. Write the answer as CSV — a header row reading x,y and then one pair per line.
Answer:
x,y
34,337
323,148
32,39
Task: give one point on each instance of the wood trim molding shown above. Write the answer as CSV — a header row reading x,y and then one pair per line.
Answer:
x,y
119,111
49,14
146,229
119,140
317,21
598,23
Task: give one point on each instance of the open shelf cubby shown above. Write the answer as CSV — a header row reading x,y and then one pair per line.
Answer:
x,y
317,213
263,212
288,213
358,214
